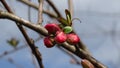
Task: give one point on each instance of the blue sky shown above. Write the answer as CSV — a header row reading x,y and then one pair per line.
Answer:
x,y
99,19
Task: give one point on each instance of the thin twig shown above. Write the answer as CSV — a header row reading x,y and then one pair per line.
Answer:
x,y
29,13
54,7
69,54
70,6
51,14
40,11
12,51
13,62
29,41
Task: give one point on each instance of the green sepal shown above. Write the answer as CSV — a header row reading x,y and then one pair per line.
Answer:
x,y
68,17
63,21
61,26
67,29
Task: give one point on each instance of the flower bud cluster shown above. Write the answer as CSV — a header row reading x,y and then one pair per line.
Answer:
x,y
56,35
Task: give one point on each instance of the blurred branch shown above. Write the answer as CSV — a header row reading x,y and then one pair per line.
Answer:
x,y
34,61
30,42
40,11
12,51
70,6
36,7
54,8
13,62
29,13
82,54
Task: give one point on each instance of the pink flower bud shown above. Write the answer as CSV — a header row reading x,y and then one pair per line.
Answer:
x,y
52,28
48,42
72,38
86,64
60,37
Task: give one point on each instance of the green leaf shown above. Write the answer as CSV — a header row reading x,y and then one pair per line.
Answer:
x,y
67,29
68,13
63,21
13,42
68,17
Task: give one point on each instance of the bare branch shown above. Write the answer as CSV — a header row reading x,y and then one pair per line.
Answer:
x,y
29,13
36,7
40,11
54,7
70,6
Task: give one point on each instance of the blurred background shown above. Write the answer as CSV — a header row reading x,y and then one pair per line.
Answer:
x,y
99,31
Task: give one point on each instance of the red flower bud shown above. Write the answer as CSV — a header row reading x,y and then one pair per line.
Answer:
x,y
48,42
52,28
72,38
60,37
